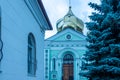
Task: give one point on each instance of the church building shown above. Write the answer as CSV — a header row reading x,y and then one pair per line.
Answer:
x,y
22,28
64,51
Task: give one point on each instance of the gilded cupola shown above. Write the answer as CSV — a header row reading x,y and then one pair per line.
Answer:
x,y
70,21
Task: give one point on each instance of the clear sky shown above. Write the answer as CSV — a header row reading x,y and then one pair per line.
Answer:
x,y
56,9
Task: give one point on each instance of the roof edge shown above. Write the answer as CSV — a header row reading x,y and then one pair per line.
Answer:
x,y
45,14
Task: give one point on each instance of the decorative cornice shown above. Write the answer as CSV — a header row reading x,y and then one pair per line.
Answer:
x,y
66,45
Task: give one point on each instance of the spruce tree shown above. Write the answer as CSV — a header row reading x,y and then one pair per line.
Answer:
x,y
102,58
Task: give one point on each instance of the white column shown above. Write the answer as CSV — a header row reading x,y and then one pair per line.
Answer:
x,y
75,70
51,65
59,69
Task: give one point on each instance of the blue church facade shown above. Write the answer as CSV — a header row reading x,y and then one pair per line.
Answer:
x,y
64,51
22,27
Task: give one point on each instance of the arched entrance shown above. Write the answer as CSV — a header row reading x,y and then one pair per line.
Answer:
x,y
67,67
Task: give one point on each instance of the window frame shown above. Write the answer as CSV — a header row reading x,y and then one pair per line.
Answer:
x,y
54,64
1,43
32,62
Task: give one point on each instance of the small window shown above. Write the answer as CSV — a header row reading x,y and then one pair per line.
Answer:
x,y
68,59
46,76
54,76
68,37
46,59
46,68
54,66
31,55
46,51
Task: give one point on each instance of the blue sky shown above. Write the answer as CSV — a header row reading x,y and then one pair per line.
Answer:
x,y
56,9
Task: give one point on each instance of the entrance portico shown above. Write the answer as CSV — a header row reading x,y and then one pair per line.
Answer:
x,y
68,67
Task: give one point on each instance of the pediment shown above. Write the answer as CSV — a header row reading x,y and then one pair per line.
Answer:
x,y
67,35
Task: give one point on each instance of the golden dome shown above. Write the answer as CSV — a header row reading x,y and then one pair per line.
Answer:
x,y
70,21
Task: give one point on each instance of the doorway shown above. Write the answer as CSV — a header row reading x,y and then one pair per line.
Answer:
x,y
67,67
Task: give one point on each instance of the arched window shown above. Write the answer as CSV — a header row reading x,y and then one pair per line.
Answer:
x,y
1,43
68,58
31,55
54,66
